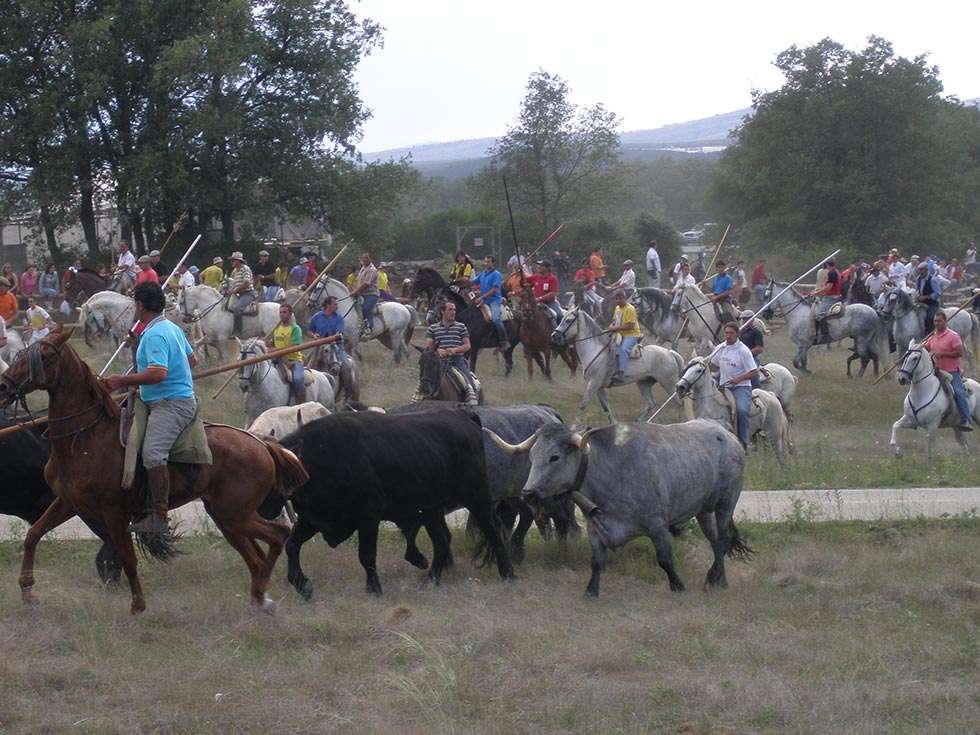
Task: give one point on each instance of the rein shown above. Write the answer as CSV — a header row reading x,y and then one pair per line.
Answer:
x,y
911,374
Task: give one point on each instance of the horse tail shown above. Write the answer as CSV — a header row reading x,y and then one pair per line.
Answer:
x,y
737,547
410,329
290,473
83,317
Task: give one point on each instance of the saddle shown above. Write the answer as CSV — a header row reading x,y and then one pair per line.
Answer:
x,y
755,406
229,305
835,312
459,381
764,375
506,313
287,377
191,446
637,350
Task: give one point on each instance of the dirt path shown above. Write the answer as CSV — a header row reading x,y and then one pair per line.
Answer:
x,y
774,505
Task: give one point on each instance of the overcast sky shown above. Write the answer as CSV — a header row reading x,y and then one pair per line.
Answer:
x,y
454,69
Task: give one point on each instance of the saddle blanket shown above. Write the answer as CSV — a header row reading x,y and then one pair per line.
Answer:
x,y
191,446
250,310
287,377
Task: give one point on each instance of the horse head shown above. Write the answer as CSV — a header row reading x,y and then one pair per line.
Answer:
x,y
914,365
561,334
693,372
249,348
431,370
37,367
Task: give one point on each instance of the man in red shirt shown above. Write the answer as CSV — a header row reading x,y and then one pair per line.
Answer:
x,y
829,295
146,271
759,280
545,285
946,349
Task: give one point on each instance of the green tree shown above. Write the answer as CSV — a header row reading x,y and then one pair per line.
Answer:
x,y
859,148
557,157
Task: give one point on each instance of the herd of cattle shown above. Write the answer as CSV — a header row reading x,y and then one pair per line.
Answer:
x,y
416,463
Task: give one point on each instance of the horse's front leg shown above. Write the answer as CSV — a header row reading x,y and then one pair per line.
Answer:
x,y
604,402
590,388
903,423
57,513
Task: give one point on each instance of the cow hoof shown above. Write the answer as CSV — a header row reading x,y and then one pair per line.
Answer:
x,y
678,587
373,588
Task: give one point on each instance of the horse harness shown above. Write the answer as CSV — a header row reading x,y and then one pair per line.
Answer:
x,y
911,376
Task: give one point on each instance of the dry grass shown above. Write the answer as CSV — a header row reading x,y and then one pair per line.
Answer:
x,y
841,430
832,628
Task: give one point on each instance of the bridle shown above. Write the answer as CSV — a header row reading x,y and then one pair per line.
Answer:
x,y
911,378
699,362
37,374
249,348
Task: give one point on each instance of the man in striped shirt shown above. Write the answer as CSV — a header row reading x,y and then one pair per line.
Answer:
x,y
451,341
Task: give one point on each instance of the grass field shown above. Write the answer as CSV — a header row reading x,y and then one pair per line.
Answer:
x,y
857,628
841,430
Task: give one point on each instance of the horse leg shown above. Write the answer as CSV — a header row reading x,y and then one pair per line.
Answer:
x,y
932,432
367,553
117,527
274,535
903,423
245,548
57,513
604,402
301,533
645,387
546,368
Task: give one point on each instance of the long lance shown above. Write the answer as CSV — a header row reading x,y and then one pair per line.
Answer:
x,y
319,277
548,239
122,344
271,355
899,361
178,224
513,231
790,285
711,265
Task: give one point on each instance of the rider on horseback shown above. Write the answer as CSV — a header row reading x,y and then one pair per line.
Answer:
x,y
684,279
722,290
286,334
946,348
164,360
451,341
829,295
488,281
627,326
240,284
367,289
125,265
546,290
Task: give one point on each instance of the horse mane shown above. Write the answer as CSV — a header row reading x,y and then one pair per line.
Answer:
x,y
92,384
663,299
904,299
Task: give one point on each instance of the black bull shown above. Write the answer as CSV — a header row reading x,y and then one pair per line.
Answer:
x,y
366,468
25,494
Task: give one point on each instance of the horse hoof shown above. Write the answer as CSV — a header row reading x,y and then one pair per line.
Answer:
x,y
306,590
265,605
137,607
29,599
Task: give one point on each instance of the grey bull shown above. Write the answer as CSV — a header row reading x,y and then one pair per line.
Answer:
x,y
637,480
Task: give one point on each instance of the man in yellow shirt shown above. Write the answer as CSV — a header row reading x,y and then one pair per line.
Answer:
x,y
286,334
213,275
627,326
383,290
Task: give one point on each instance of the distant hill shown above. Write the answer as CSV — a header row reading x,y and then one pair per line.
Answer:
x,y
459,158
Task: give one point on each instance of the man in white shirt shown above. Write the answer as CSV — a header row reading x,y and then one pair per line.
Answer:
x,y
686,278
675,272
898,272
627,281
736,368
126,262
653,264
875,283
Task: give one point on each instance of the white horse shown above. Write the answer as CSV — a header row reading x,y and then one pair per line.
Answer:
x,y
859,321
703,324
765,414
107,312
909,323
393,325
265,388
15,343
205,305
927,406
597,353
284,420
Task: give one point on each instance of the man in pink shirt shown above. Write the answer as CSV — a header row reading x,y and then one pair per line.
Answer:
x,y
946,349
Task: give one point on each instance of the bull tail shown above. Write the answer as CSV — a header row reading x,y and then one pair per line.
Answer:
x,y
290,473
737,547
83,318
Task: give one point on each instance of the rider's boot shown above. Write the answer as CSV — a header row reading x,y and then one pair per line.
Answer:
x,y
471,397
158,479
236,330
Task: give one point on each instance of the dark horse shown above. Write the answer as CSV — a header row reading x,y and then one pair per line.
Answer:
x,y
434,381
86,466
535,331
82,284
428,284
26,494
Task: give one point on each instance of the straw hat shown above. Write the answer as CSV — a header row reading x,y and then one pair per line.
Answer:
x,y
217,261
237,255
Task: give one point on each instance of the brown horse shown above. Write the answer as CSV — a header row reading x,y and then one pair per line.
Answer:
x,y
86,464
434,381
535,335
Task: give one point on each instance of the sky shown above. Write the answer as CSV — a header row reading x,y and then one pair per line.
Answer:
x,y
451,70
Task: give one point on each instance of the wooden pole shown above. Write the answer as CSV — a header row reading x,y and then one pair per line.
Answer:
x,y
548,239
181,221
41,420
899,361
513,231
326,269
271,355
711,265
662,407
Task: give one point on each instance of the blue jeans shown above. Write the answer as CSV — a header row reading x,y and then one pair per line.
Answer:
x,y
271,292
743,399
624,352
959,393
495,313
368,302
296,368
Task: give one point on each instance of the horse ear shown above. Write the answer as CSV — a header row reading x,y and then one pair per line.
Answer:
x,y
63,335
239,343
694,353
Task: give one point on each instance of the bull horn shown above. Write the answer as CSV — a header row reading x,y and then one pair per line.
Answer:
x,y
582,440
524,446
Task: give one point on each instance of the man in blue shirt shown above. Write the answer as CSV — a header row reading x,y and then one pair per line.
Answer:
x,y
164,360
328,323
928,291
721,294
488,281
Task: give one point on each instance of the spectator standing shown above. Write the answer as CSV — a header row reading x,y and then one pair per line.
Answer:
x,y
653,264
